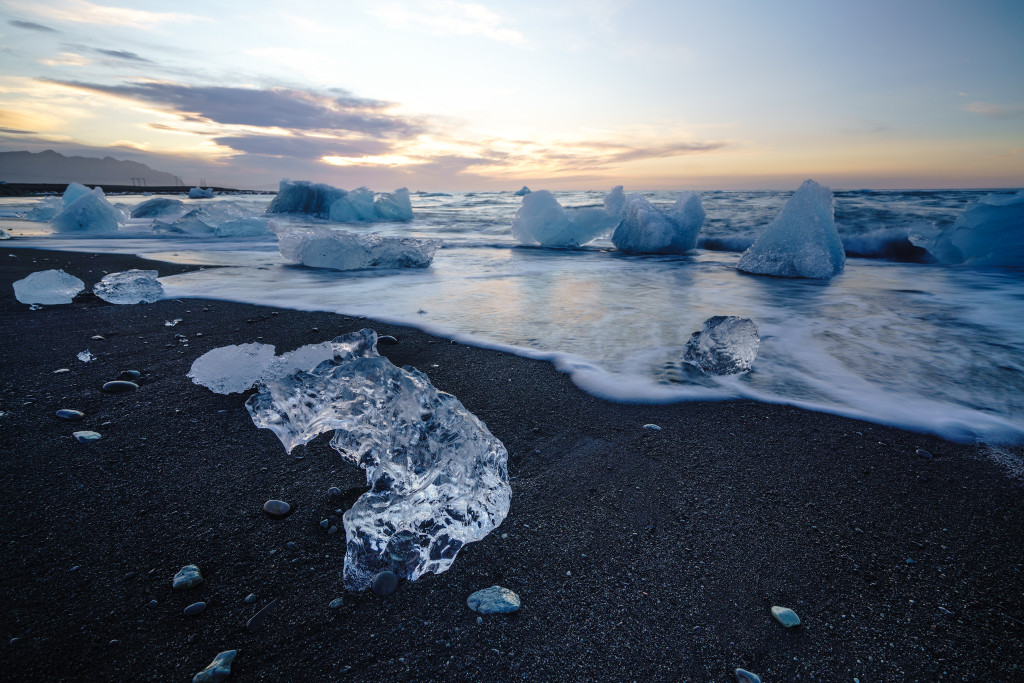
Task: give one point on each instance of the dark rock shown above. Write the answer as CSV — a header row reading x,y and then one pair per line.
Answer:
x,y
69,414
194,609
218,670
924,454
119,386
334,492
277,508
129,375
187,577
385,583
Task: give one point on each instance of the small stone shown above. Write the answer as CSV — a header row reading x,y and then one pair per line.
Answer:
x,y
187,577
153,604
255,620
387,340
325,523
291,544
129,375
924,454
250,598
336,603
277,508
946,612
218,670
114,643
911,560
652,427
479,620
194,609
785,616
61,371
385,583
493,600
97,337
334,492
744,676
69,414
333,530
119,387
86,437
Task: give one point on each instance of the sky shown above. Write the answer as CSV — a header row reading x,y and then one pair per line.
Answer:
x,y
556,94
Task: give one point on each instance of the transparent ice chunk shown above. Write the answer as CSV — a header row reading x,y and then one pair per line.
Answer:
x,y
159,207
541,219
438,477
234,369
322,247
305,197
88,212
725,345
200,193
646,229
801,241
990,232
45,210
244,227
393,206
48,287
130,287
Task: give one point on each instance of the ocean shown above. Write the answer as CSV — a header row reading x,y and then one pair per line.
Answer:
x,y
894,339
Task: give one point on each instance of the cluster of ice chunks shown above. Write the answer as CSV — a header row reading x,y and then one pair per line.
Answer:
x,y
323,247
130,287
990,232
85,210
541,219
237,368
438,478
341,206
202,221
159,207
200,193
801,241
725,345
48,287
255,226
646,229
45,210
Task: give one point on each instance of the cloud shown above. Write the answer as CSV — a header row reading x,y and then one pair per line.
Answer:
x,y
997,111
121,54
447,18
285,108
82,12
12,131
66,59
302,147
32,26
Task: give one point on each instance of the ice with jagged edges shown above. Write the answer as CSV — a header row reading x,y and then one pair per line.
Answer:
x,y
340,206
305,197
4,235
801,241
647,229
522,191
393,206
541,219
323,247
159,207
438,478
87,212
202,221
48,287
244,227
237,368
725,345
200,193
130,287
73,191
45,210
990,232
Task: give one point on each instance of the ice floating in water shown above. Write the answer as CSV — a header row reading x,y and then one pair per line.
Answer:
x,y
48,287
200,193
646,229
202,221
891,245
45,210
4,235
244,227
522,191
234,369
87,212
85,356
801,241
130,287
340,206
725,345
989,232
541,219
159,207
438,477
322,247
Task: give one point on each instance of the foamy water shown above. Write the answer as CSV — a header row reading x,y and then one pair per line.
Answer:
x,y
927,347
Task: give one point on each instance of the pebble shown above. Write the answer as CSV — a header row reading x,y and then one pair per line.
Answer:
x,y
194,609
334,492
387,340
325,523
255,620
69,414
493,600
277,508
943,610
97,337
924,454
744,676
336,603
384,583
250,598
153,603
187,577
129,375
87,437
479,620
785,616
218,670
61,371
333,530
119,386
652,427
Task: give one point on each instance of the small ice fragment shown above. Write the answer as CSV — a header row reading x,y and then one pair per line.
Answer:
x,y
541,219
321,247
35,307
4,235
231,369
646,229
86,436
305,197
244,227
159,207
989,232
438,477
130,287
48,287
172,323
801,241
85,356
522,191
725,345
89,212
393,206
61,371
200,193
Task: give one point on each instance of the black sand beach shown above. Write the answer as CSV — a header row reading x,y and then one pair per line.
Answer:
x,y
639,555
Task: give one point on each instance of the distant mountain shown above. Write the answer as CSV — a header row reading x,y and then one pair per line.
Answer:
x,y
52,167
